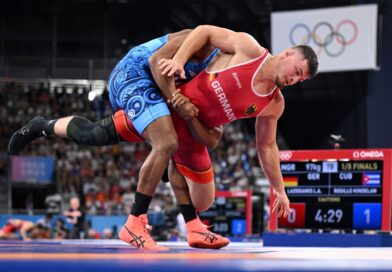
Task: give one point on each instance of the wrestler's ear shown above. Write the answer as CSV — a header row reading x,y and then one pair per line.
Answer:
x,y
289,52
285,54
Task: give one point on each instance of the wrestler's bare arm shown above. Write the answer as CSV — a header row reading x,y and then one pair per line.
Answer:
x,y
240,44
166,84
268,152
209,137
223,38
204,135
23,230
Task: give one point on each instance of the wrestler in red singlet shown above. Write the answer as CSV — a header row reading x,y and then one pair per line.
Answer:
x,y
227,95
222,97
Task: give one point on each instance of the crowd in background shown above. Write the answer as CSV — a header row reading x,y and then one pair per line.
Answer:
x,y
105,178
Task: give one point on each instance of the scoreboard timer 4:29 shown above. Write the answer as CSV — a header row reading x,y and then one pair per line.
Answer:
x,y
337,189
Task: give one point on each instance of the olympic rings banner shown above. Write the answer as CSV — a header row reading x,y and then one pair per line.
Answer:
x,y
343,38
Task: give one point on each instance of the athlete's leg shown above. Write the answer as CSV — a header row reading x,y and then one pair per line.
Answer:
x,y
202,195
118,127
151,118
79,129
193,162
179,186
83,131
192,180
61,126
163,139
198,234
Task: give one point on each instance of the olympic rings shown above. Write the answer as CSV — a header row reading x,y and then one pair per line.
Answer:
x,y
331,35
354,27
328,38
294,28
285,155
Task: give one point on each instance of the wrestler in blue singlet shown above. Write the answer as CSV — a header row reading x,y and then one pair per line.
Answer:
x,y
132,88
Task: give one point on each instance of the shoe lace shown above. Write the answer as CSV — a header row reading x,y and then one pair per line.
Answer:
x,y
145,222
207,227
147,229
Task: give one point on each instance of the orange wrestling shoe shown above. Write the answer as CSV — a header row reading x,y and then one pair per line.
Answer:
x,y
135,233
199,236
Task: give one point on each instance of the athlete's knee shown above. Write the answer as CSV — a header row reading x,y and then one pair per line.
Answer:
x,y
203,201
202,194
168,144
171,144
204,204
100,133
178,185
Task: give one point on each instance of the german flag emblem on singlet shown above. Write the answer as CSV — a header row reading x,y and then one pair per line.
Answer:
x,y
251,109
213,76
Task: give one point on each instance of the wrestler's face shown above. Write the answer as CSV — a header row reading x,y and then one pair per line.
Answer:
x,y
292,68
74,203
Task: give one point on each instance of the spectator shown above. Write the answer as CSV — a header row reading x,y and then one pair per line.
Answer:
x,y
60,231
45,221
116,205
89,186
127,200
30,204
53,203
74,176
108,234
91,202
75,216
125,180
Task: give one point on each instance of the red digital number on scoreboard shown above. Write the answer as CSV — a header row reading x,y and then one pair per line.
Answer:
x,y
296,219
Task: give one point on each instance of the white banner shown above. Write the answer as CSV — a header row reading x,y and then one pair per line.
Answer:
x,y
343,38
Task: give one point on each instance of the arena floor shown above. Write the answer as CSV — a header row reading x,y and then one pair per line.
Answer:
x,y
114,255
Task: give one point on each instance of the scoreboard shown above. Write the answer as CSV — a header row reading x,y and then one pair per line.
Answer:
x,y
337,189
231,213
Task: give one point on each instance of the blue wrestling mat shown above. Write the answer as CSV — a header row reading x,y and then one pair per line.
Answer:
x,y
114,255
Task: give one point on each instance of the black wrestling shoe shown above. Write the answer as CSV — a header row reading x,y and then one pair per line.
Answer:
x,y
33,130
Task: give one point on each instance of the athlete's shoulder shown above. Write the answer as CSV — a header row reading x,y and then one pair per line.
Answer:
x,y
279,102
249,45
278,97
276,106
